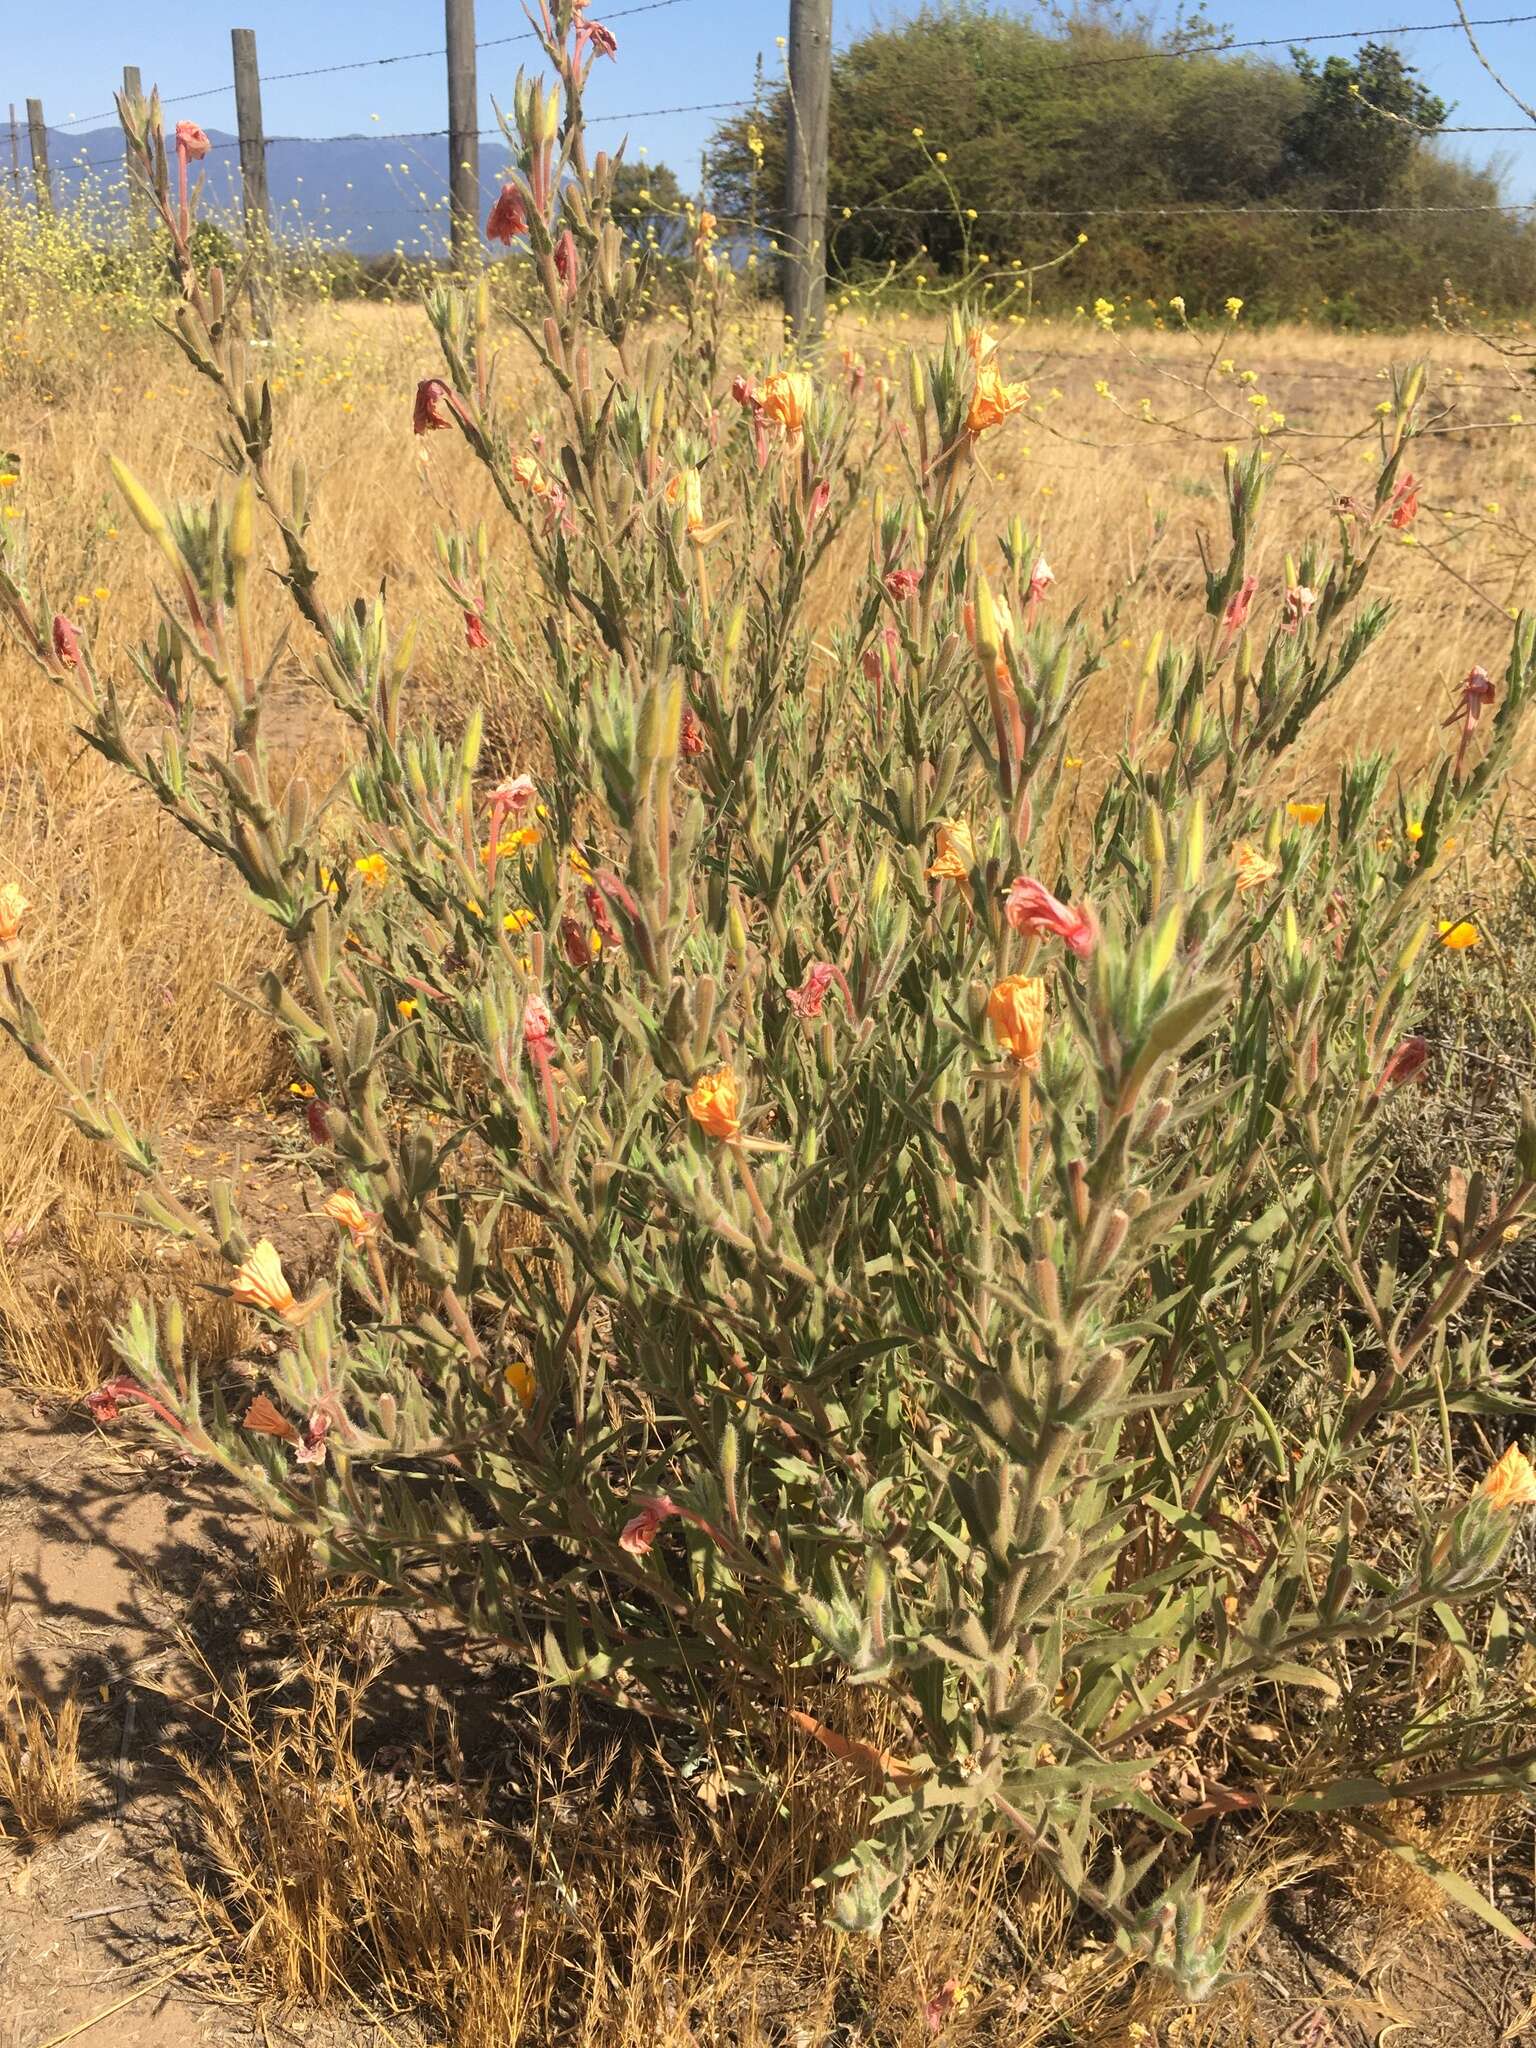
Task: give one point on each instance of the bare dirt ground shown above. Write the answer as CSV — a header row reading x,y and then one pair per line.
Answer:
x,y
123,1556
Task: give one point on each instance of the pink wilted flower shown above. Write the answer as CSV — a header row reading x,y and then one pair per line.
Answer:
x,y
538,1026
66,642
1300,603
691,739
742,391
509,799
641,1530
1034,911
507,219
106,1404
576,941
1041,577
902,584
602,919
1406,1062
1476,693
191,142
568,260
1405,503
886,647
601,41
428,415
820,499
475,635
808,998
1235,617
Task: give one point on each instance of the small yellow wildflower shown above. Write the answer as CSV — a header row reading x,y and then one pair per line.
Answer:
x,y
371,868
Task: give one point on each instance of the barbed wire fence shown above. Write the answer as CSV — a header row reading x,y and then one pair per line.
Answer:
x,y
255,146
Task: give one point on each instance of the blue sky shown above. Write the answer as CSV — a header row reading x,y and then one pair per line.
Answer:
x,y
70,53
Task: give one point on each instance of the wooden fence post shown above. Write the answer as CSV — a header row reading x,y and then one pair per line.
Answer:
x,y
810,99
38,130
138,207
253,173
463,132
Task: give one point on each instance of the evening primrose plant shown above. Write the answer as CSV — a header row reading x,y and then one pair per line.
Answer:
x,y
806,1224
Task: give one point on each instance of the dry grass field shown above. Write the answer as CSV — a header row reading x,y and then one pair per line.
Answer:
x,y
381,1839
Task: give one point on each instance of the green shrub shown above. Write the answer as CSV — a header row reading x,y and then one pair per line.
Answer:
x,y
784,1250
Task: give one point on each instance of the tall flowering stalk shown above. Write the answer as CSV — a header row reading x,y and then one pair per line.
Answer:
x,y
818,1350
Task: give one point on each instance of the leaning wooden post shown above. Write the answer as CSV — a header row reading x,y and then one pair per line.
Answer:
x,y
38,130
253,174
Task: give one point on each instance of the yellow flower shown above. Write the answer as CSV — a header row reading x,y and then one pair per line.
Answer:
x,y
1307,814
1254,867
1016,1012
513,842
261,1283
979,345
1457,934
408,1006
685,489
1415,830
527,472
13,908
993,400
1234,307
580,865
785,397
518,920
347,1211
371,868
305,1090
519,1377
1511,1483
7,478
954,853
1104,312
714,1103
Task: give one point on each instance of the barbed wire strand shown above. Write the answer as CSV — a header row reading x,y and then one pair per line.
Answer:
x,y
1109,58
209,92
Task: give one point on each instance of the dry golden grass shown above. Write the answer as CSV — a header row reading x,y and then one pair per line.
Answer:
x,y
42,1781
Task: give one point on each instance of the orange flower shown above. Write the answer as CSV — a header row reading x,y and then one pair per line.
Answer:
x,y
785,398
714,1103
1254,867
993,400
1016,1012
261,1283
1459,933
1511,1483
954,853
979,345
345,1209
13,908
519,1377
527,472
1307,814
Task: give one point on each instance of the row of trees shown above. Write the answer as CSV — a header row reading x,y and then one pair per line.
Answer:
x,y
962,131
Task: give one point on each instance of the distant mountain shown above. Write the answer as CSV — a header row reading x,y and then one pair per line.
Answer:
x,y
369,193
